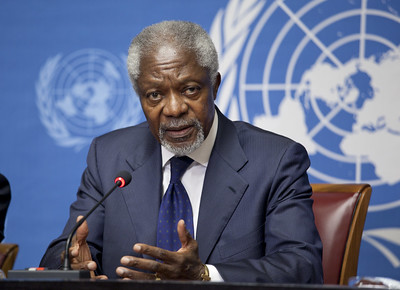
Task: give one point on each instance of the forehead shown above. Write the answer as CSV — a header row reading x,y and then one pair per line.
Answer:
x,y
168,60
165,54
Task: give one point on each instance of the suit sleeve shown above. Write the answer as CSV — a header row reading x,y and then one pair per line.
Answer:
x,y
293,249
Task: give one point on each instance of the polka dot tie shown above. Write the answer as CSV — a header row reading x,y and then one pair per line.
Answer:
x,y
175,206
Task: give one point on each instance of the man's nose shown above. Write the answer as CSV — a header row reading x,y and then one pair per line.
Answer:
x,y
176,105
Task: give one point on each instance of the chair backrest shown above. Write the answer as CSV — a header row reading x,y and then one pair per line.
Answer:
x,y
8,254
340,211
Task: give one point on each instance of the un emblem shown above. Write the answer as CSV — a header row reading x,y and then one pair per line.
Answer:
x,y
325,75
83,95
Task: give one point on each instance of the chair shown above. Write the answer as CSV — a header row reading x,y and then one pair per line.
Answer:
x,y
8,254
340,211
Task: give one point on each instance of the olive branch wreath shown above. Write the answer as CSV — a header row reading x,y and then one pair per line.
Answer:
x,y
229,31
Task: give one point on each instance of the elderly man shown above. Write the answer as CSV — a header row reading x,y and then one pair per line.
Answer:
x,y
238,210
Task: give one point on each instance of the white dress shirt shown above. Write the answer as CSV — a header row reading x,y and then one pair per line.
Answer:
x,y
193,179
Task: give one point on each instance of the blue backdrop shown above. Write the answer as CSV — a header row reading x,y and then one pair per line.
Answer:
x,y
325,73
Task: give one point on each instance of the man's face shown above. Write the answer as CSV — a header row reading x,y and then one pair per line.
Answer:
x,y
177,98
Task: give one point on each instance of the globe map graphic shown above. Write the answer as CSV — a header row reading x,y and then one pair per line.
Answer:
x,y
341,106
91,90
88,99
85,94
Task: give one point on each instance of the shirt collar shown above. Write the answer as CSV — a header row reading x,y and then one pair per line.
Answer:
x,y
202,154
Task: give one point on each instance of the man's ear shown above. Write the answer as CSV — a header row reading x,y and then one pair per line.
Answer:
x,y
216,85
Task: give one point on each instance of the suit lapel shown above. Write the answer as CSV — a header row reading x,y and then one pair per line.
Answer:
x,y
223,187
144,201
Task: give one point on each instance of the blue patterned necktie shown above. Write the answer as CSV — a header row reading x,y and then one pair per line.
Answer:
x,y
175,206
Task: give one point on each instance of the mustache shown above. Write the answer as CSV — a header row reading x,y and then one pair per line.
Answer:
x,y
178,123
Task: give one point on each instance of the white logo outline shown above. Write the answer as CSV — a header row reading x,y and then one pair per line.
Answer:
x,y
54,125
228,100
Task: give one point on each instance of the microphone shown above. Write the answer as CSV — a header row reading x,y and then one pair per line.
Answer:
x,y
123,179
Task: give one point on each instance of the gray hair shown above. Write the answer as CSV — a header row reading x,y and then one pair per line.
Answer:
x,y
184,35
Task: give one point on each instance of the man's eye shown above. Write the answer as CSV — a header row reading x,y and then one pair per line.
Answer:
x,y
154,96
191,91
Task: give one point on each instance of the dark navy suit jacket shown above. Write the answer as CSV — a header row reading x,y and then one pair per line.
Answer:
x,y
255,221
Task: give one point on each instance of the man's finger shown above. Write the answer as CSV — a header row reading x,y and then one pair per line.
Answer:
x,y
82,232
74,250
86,265
155,252
183,233
100,277
133,275
140,263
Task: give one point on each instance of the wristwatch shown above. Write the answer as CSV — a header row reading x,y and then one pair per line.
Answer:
x,y
206,275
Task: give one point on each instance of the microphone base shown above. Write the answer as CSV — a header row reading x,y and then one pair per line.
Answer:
x,y
48,274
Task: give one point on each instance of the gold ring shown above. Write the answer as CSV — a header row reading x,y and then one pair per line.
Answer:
x,y
157,278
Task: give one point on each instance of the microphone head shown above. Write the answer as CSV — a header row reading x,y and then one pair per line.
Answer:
x,y
123,178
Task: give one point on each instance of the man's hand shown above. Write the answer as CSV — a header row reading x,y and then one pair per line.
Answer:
x,y
80,256
184,264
